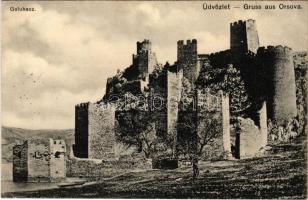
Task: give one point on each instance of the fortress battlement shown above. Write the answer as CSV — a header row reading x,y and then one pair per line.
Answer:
x,y
266,73
219,53
83,105
188,42
279,50
242,22
144,46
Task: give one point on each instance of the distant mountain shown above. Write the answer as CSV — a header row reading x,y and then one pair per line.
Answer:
x,y
11,136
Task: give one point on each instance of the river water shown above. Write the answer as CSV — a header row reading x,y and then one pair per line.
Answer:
x,y
7,184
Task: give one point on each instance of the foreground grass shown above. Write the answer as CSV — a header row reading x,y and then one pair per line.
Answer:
x,y
280,173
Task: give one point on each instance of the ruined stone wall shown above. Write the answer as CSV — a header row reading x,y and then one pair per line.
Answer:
x,y
57,159
220,59
213,117
105,168
80,147
158,102
101,135
187,59
174,86
300,60
38,160
249,137
135,87
262,113
281,91
20,166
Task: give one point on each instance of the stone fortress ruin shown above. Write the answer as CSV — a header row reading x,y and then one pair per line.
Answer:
x,y
39,160
225,105
167,98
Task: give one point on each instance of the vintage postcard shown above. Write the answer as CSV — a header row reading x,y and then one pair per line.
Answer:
x,y
154,99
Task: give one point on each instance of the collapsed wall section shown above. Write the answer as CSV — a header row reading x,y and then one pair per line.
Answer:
x,y
250,137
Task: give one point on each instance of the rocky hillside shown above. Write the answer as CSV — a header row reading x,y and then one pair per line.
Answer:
x,y
11,136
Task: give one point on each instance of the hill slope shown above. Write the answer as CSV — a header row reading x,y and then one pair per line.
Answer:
x,y
279,173
11,136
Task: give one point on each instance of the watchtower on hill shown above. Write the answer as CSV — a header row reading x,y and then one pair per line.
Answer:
x,y
187,59
243,38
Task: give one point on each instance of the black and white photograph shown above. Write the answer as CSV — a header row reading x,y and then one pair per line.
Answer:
x,y
154,99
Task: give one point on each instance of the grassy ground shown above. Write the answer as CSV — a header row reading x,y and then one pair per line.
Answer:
x,y
280,173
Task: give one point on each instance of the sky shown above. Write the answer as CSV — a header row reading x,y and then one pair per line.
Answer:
x,y
62,53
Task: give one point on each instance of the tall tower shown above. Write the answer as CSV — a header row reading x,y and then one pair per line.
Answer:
x,y
277,63
145,60
243,38
187,59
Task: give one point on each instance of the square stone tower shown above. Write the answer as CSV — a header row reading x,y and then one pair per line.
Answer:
x,y
39,160
145,60
243,38
187,59
94,131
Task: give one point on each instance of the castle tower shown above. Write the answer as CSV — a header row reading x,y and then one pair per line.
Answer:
x,y
187,59
39,160
145,60
94,131
243,38
280,93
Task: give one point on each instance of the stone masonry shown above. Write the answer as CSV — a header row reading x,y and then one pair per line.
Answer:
x,y
243,38
281,92
187,59
39,160
95,125
174,86
268,75
251,138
